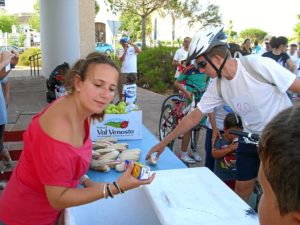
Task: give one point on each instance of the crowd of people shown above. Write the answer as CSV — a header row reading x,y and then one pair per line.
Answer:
x,y
248,91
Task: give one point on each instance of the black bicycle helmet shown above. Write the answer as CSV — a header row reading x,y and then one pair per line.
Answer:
x,y
205,40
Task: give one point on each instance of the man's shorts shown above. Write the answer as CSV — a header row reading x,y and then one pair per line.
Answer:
x,y
247,162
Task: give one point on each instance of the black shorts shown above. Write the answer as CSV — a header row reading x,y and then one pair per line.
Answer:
x,y
247,162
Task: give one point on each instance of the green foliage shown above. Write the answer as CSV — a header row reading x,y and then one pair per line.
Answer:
x,y
297,28
231,34
22,38
132,23
24,57
155,68
202,14
36,6
97,8
13,41
142,8
253,33
6,22
34,22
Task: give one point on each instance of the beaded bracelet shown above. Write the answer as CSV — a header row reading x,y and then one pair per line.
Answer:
x,y
118,187
109,191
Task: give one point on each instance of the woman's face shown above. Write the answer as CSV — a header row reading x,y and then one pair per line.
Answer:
x,y
98,89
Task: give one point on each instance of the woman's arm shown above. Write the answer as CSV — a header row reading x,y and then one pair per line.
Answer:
x,y
63,197
180,87
5,89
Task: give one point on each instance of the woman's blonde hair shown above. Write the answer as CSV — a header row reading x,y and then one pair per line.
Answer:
x,y
80,68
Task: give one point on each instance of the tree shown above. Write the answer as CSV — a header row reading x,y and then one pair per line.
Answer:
x,y
297,28
230,32
34,21
132,24
6,22
97,7
206,15
142,8
253,33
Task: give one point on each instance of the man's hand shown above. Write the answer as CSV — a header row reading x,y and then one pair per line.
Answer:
x,y
15,59
159,148
6,58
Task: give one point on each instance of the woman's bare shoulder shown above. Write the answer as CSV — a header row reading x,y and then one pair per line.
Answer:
x,y
54,121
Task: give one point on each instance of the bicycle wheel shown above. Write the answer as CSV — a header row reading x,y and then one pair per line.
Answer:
x,y
167,123
168,100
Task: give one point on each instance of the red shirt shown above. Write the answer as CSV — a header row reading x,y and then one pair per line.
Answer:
x,y
44,161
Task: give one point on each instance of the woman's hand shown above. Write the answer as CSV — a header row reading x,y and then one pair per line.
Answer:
x,y
127,181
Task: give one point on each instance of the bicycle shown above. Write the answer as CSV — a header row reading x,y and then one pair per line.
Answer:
x,y
172,114
251,138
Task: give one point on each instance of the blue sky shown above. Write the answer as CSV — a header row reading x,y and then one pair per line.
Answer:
x,y
275,17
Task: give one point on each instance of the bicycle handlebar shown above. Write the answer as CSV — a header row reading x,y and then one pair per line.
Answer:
x,y
251,136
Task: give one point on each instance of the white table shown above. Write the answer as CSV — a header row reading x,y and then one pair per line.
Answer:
x,y
176,197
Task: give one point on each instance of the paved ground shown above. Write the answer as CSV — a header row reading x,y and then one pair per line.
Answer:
x,y
28,96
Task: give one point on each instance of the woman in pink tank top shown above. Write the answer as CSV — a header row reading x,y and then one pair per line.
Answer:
x,y
57,150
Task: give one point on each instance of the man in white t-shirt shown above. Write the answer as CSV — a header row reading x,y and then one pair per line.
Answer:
x,y
257,102
180,56
128,57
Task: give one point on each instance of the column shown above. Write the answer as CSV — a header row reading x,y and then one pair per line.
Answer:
x,y
67,28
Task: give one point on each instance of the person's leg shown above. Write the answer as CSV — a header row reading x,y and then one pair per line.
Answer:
x,y
209,160
122,81
247,165
184,146
2,127
195,144
4,153
244,188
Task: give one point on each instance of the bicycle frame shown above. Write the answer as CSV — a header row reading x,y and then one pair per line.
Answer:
x,y
175,114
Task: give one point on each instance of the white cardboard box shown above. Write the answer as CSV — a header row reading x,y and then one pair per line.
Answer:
x,y
121,126
190,196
